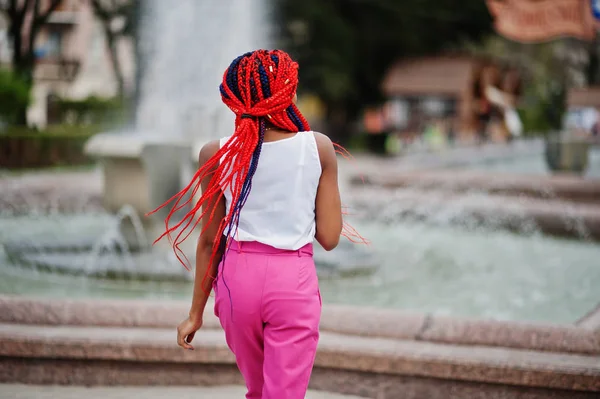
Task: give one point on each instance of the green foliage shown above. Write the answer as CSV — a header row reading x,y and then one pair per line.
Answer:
x,y
544,114
358,143
93,110
14,96
54,131
25,147
533,120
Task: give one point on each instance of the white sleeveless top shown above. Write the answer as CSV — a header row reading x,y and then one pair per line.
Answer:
x,y
280,209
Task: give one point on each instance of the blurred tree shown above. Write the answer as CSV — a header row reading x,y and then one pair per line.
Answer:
x,y
14,96
118,20
23,36
344,47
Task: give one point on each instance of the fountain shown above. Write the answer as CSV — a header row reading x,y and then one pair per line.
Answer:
x,y
93,246
449,265
428,239
185,49
179,110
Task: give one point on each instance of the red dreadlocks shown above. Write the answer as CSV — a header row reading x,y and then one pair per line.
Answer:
x,y
257,87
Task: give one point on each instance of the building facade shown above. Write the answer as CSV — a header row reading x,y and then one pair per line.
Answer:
x,y
71,59
462,98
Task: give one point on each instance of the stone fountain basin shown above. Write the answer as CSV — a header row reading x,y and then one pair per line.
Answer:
x,y
76,257
514,213
347,260
369,352
566,187
75,260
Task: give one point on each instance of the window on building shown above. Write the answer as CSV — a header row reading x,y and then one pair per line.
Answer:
x,y
53,45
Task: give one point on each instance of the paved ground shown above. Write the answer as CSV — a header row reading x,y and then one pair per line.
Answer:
x,y
10,391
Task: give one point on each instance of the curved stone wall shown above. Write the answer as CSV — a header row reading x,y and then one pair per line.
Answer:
x,y
365,352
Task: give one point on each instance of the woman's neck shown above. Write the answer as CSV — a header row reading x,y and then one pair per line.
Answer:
x,y
274,133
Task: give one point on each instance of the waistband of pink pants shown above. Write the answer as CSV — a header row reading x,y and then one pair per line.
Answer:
x,y
260,248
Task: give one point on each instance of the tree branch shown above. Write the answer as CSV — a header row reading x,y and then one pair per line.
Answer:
x,y
36,10
15,13
15,31
102,13
39,19
33,31
10,8
24,8
107,12
7,5
110,10
43,17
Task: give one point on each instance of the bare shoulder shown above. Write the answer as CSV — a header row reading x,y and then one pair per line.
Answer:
x,y
326,149
323,142
208,151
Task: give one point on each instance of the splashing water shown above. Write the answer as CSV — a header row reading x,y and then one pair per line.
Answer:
x,y
186,46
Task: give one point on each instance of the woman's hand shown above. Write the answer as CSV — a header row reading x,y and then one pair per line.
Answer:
x,y
186,331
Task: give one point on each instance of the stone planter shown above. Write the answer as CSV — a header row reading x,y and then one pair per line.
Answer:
x,y
567,155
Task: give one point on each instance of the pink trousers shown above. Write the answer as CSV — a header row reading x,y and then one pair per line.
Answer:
x,y
269,305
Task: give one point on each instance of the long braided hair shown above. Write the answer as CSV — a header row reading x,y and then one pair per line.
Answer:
x,y
259,87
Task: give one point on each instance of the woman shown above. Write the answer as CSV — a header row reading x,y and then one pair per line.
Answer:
x,y
268,191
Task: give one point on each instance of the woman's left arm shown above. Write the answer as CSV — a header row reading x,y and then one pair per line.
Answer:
x,y
205,271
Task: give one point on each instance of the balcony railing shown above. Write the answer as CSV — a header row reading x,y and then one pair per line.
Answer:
x,y
66,13
63,17
61,69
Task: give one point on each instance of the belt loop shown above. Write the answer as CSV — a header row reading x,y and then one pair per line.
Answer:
x,y
299,252
239,247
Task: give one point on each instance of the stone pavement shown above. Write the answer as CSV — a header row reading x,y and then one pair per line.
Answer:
x,y
70,392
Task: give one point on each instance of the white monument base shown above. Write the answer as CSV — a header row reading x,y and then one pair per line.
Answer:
x,y
140,171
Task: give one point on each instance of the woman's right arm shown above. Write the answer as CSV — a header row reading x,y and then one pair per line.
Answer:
x,y
206,271
328,206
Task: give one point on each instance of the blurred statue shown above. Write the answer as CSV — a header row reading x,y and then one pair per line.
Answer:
x,y
498,94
